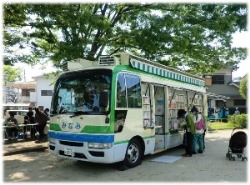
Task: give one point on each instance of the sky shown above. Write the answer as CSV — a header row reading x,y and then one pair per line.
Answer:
x,y
32,71
242,40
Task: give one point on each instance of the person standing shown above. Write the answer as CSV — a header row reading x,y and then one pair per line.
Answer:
x,y
237,111
199,134
30,114
25,122
31,117
46,112
41,119
189,126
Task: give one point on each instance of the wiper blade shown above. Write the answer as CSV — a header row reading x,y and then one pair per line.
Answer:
x,y
78,113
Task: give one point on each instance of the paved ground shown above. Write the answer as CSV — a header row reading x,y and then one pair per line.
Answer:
x,y
21,146
211,166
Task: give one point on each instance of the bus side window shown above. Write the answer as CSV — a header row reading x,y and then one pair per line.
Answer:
x,y
129,91
134,91
121,92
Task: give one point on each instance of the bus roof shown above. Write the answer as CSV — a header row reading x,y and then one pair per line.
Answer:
x,y
124,58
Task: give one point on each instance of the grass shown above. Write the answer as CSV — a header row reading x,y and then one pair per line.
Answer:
x,y
220,125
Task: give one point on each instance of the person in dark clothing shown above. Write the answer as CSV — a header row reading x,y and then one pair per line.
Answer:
x,y
31,117
30,114
12,130
189,126
25,122
41,119
46,112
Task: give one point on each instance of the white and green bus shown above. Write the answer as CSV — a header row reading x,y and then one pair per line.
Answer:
x,y
120,108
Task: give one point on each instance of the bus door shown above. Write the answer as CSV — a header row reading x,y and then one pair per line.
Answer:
x,y
159,106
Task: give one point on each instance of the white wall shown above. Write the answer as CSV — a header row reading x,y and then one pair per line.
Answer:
x,y
224,71
43,83
32,96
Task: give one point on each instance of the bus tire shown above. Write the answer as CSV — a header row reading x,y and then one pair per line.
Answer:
x,y
133,155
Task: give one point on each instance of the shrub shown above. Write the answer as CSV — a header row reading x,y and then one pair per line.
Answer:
x,y
238,120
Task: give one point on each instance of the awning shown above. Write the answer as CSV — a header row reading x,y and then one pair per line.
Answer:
x,y
218,96
161,70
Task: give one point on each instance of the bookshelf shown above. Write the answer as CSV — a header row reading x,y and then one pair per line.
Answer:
x,y
146,111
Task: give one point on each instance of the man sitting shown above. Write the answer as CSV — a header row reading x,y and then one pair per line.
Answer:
x,y
11,129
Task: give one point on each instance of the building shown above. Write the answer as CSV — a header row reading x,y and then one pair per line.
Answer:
x,y
43,92
18,92
37,93
222,83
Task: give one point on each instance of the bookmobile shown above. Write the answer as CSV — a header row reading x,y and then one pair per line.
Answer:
x,y
120,108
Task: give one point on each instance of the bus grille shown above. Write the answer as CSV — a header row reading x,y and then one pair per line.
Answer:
x,y
70,143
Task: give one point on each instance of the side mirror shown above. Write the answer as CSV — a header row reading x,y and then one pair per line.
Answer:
x,y
104,99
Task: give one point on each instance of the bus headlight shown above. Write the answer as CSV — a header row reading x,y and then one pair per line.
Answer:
x,y
52,140
100,145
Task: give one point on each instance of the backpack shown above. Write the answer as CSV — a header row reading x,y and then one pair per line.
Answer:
x,y
200,124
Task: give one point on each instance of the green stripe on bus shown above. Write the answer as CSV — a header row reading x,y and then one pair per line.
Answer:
x,y
55,127
96,129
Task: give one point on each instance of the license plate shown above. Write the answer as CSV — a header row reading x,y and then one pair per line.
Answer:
x,y
69,151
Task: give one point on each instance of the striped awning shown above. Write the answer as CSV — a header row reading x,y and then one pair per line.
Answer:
x,y
160,71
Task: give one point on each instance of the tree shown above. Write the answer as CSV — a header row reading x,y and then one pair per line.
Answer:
x,y
243,87
11,74
197,36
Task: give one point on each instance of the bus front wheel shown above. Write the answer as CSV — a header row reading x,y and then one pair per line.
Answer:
x,y
133,154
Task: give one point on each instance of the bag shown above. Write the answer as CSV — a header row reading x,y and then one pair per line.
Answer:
x,y
22,136
200,124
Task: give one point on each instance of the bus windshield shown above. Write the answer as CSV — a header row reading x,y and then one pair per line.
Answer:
x,y
79,92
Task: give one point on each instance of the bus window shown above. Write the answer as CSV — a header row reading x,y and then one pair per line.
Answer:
x,y
80,92
128,91
133,91
121,92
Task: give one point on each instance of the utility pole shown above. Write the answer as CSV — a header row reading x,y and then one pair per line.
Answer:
x,y
24,76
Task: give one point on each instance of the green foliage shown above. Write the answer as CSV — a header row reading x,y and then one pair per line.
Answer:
x,y
238,120
15,40
11,74
243,87
197,36
220,126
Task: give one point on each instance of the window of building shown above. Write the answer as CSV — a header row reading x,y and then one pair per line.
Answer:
x,y
26,92
46,92
218,79
238,102
41,108
219,103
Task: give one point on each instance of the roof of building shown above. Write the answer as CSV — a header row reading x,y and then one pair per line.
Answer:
x,y
22,85
236,84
